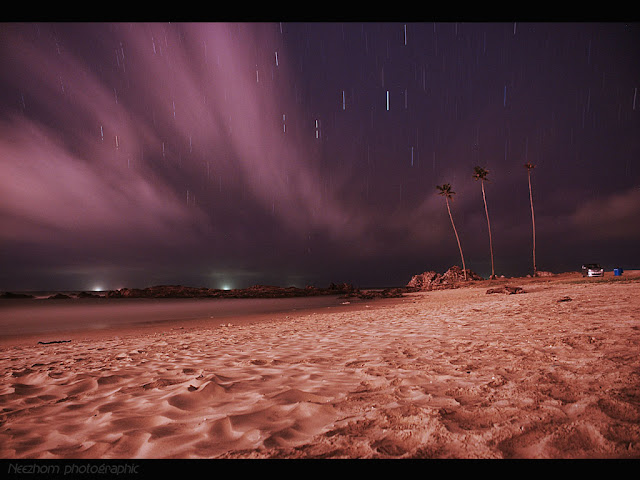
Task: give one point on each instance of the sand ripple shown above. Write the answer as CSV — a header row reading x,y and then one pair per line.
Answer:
x,y
450,374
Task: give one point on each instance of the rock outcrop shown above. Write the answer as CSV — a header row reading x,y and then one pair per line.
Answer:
x,y
256,291
373,294
544,274
59,296
12,296
87,295
452,278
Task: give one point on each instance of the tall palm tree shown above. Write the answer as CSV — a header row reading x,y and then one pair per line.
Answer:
x,y
480,173
530,167
447,193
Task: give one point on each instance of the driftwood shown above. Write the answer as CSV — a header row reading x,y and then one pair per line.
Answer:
x,y
54,341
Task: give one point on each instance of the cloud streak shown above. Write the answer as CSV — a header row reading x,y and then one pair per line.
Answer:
x,y
229,147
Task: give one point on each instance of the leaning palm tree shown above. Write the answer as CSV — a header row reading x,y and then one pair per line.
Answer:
x,y
447,193
530,167
480,173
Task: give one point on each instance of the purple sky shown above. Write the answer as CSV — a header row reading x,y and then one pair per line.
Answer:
x,y
215,155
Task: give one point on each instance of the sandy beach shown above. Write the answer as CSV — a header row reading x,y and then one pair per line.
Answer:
x,y
552,372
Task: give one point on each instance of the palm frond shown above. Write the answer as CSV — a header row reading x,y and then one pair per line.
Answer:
x,y
480,173
445,190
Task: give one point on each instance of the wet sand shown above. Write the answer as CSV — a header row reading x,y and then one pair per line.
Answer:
x,y
552,372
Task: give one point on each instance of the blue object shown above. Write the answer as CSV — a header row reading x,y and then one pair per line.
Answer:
x,y
617,272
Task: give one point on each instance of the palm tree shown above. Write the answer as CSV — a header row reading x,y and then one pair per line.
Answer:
x,y
447,193
530,167
480,173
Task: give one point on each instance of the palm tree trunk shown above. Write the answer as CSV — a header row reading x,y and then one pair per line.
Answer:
x,y
486,211
464,269
533,223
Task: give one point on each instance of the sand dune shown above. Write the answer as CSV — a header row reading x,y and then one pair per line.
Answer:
x,y
549,373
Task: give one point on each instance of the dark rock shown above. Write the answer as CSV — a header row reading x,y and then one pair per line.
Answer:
x,y
256,291
10,295
163,291
372,294
59,296
455,275
545,274
341,288
452,278
88,295
506,289
423,281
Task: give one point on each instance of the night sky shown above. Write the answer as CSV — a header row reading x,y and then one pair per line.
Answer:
x,y
229,155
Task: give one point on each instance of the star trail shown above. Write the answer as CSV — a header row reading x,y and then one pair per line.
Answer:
x,y
234,154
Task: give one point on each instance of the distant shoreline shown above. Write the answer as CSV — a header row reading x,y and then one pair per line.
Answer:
x,y
270,291
180,291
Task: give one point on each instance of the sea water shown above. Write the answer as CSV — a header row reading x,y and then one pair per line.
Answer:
x,y
39,315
